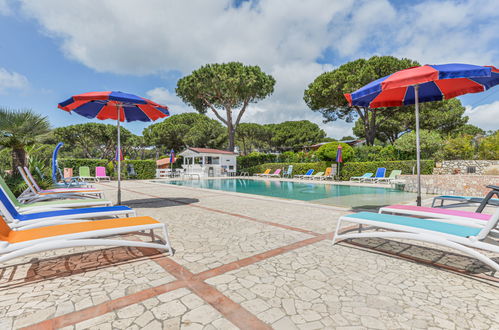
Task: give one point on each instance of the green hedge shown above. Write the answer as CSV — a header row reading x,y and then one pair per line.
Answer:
x,y
359,168
348,169
298,168
145,169
254,159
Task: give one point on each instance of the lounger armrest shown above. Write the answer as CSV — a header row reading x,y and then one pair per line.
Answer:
x,y
494,187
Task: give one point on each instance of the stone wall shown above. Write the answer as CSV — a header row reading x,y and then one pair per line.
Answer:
x,y
461,166
464,185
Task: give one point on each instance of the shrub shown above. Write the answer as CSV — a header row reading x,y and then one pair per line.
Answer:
x,y
489,147
359,168
298,168
255,158
329,150
145,169
430,142
459,147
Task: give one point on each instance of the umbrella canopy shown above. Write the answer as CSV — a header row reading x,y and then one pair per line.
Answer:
x,y
424,84
118,106
436,83
172,156
339,154
104,105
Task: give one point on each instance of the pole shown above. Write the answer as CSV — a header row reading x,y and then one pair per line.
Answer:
x,y
418,148
118,105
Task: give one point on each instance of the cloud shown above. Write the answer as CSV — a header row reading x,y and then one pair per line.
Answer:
x,y
5,7
484,116
12,80
284,37
163,96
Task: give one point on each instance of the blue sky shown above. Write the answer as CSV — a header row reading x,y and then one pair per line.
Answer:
x,y
50,50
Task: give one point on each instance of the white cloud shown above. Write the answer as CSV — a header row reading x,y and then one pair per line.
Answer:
x,y
12,80
284,37
484,116
5,7
163,96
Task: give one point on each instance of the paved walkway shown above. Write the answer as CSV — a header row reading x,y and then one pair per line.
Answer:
x,y
245,262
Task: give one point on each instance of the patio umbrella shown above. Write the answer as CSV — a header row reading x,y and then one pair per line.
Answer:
x,y
339,157
118,106
424,84
172,160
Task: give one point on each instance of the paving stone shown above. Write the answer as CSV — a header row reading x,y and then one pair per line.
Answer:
x,y
203,315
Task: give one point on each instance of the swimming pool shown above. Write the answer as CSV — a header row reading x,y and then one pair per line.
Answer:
x,y
320,193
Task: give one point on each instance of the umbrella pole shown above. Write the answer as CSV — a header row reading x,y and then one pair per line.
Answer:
x,y
418,148
119,155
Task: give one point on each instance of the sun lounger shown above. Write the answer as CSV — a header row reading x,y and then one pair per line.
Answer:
x,y
393,176
267,171
47,218
317,175
302,176
465,239
84,174
380,174
467,200
34,193
465,218
359,178
17,243
327,174
62,184
100,174
50,205
277,173
289,172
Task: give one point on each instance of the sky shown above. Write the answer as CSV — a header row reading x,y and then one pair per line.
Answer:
x,y
53,49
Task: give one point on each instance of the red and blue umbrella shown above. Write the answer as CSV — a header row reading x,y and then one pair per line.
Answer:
x,y
118,106
339,154
105,105
435,83
424,84
172,156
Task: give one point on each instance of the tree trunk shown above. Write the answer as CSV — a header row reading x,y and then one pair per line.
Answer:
x,y
18,159
232,136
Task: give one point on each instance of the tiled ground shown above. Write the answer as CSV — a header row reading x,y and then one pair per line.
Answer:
x,y
244,262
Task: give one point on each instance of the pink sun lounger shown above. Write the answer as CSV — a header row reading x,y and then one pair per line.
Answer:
x,y
455,216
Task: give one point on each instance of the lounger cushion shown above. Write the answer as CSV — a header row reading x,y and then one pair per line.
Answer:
x,y
73,228
58,213
437,226
467,214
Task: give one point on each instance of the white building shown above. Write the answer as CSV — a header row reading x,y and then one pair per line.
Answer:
x,y
209,162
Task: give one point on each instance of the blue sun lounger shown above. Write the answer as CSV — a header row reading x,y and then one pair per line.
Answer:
x,y
306,175
465,239
47,218
466,200
380,174
360,178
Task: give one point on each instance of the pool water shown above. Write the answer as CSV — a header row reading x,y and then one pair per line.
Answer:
x,y
328,194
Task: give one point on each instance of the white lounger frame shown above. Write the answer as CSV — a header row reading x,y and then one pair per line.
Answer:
x,y
15,223
32,195
9,251
459,243
458,220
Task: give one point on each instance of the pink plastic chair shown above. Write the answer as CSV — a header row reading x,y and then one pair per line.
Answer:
x,y
68,173
100,173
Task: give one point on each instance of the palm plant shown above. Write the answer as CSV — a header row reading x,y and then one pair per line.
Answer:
x,y
19,129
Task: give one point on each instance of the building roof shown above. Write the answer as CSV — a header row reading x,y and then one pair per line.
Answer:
x,y
163,161
211,151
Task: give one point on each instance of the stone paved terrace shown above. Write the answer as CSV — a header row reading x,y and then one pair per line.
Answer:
x,y
246,262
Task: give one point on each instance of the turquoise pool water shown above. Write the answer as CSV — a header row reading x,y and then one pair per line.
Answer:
x,y
329,194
